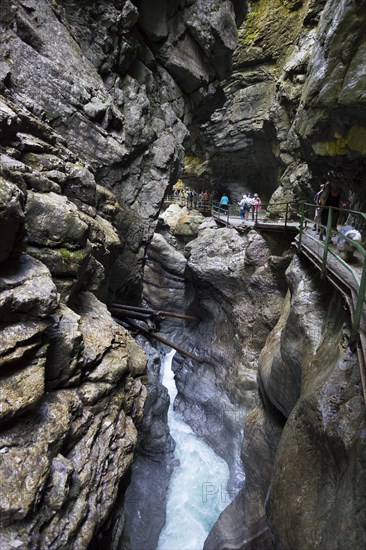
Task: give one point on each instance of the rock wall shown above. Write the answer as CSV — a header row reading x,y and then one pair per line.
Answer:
x,y
71,385
295,106
120,81
304,450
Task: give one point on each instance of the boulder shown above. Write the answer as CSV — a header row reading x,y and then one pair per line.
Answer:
x,y
22,389
26,287
64,228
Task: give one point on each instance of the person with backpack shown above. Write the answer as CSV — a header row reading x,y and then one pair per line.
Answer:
x,y
244,207
241,204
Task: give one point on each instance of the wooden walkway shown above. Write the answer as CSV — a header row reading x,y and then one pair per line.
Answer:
x,y
260,223
347,279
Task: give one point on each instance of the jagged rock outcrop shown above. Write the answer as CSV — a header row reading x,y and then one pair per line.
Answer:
x,y
71,392
119,81
223,276
294,105
307,432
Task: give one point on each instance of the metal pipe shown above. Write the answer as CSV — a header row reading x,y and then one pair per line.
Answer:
x,y
155,312
161,339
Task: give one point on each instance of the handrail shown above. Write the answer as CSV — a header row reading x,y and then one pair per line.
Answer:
x,y
182,201
219,212
360,281
233,211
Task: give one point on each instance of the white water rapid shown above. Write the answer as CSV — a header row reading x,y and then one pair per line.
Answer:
x,y
197,491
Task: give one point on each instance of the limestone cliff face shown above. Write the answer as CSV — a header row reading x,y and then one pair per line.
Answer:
x,y
120,81
295,103
71,392
95,98
304,448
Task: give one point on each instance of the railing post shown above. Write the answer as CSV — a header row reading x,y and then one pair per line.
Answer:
x,y
286,215
360,301
228,210
301,223
327,240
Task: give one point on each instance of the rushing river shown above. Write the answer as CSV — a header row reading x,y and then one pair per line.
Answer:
x,y
197,491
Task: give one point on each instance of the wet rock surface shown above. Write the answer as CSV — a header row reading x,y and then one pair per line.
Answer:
x,y
323,433
71,392
293,111
226,274
306,435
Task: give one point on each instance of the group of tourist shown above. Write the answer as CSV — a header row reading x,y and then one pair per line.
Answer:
x,y
192,199
247,205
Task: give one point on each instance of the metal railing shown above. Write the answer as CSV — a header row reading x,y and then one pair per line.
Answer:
x,y
282,213
199,204
222,212
329,233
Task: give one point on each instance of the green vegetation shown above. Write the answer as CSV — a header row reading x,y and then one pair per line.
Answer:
x,y
252,30
71,256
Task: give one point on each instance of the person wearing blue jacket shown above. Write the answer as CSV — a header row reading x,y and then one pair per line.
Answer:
x,y
224,202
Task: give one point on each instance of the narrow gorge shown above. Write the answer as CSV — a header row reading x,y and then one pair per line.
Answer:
x,y
104,107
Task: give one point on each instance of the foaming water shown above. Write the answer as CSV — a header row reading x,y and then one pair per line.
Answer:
x,y
197,494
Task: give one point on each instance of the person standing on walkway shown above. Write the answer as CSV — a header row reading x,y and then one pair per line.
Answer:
x,y
224,202
331,197
256,205
242,204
